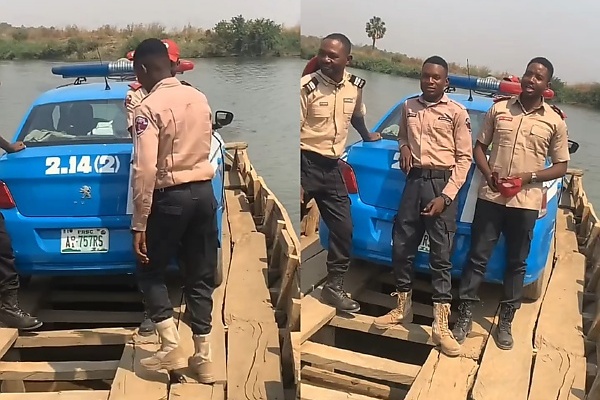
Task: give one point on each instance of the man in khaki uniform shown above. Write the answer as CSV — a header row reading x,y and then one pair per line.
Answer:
x,y
174,206
331,101
436,154
523,131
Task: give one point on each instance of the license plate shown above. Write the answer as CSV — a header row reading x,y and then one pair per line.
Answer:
x,y
84,241
424,246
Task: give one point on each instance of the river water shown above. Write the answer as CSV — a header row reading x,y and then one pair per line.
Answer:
x,y
263,95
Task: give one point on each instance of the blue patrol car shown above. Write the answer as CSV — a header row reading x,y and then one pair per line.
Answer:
x,y
375,182
66,198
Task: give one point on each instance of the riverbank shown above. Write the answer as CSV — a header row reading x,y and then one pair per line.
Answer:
x,y
410,67
236,37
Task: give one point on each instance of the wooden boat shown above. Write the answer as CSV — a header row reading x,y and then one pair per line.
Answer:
x,y
556,337
92,350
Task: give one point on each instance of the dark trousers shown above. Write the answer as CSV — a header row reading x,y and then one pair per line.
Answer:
x,y
322,180
182,222
489,221
422,186
9,279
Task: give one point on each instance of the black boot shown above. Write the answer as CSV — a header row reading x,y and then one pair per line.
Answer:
x,y
504,338
146,327
11,316
464,324
334,295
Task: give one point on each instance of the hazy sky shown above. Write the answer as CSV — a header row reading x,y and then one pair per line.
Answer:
x,y
122,12
504,35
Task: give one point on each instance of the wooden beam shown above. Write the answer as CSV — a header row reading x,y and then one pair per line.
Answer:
x,y
359,364
76,337
253,336
58,370
310,392
64,395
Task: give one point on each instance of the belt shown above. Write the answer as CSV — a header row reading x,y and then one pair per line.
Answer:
x,y
319,159
181,186
427,173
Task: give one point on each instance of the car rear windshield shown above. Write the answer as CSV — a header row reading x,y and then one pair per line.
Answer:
x,y
391,125
76,122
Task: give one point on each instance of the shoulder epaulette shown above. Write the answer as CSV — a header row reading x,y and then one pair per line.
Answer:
x,y
311,85
135,85
185,83
357,81
558,111
502,98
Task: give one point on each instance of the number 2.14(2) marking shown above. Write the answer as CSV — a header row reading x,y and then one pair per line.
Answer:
x,y
103,164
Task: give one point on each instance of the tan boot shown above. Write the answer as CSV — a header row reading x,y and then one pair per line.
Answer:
x,y
441,335
170,356
402,314
201,361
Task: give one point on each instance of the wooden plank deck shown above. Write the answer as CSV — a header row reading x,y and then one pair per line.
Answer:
x,y
90,347
548,360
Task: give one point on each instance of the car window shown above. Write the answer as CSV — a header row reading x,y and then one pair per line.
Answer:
x,y
391,125
97,121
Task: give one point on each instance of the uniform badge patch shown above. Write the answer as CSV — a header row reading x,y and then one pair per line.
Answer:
x,y
141,123
468,123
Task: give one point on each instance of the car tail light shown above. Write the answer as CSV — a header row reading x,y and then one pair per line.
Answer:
x,y
349,177
6,199
544,207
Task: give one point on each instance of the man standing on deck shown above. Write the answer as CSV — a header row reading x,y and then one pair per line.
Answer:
x,y
436,154
331,100
175,210
11,315
523,131
135,95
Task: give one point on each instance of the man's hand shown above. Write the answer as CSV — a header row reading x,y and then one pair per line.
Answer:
x,y
139,246
15,147
405,159
492,181
434,208
372,137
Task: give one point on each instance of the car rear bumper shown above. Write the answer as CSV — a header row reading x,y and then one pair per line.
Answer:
x,y
37,245
372,242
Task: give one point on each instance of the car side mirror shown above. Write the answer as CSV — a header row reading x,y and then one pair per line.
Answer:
x,y
573,147
222,118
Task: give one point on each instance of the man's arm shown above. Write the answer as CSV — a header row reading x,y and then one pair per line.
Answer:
x,y
403,128
303,105
358,118
484,139
145,156
463,143
559,153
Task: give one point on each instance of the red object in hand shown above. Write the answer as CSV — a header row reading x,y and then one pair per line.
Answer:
x,y
509,187
311,66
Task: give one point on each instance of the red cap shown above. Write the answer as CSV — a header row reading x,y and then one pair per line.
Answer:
x,y
311,66
509,187
172,49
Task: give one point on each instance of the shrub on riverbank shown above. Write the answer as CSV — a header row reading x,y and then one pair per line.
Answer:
x,y
236,37
367,58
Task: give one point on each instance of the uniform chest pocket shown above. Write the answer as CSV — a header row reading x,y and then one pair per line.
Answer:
x,y
443,131
538,139
349,105
321,110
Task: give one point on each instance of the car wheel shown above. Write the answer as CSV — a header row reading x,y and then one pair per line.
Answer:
x,y
533,291
219,271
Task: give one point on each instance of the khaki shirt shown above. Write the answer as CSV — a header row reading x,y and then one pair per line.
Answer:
x,y
326,109
439,137
521,141
172,135
134,96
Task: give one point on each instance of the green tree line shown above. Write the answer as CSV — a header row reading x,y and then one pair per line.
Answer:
x,y
236,37
372,59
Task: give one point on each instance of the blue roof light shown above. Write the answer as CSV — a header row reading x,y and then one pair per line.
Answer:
x,y
95,69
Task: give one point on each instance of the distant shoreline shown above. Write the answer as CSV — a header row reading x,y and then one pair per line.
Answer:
x,y
237,37
366,58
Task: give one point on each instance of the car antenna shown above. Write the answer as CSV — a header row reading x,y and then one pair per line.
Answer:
x,y
107,87
469,76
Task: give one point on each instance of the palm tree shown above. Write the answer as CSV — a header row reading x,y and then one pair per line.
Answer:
x,y
375,29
